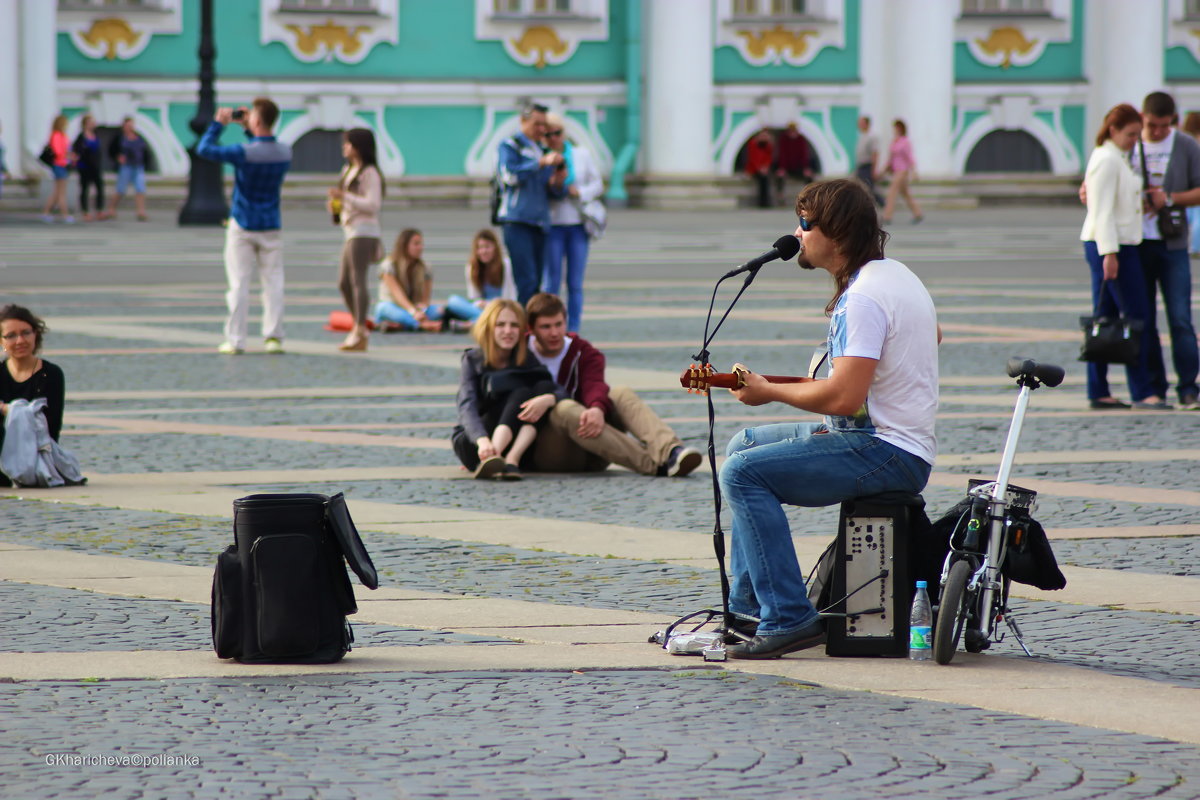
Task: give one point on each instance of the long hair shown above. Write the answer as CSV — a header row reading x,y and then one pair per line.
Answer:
x,y
59,124
491,273
406,267
1117,117
846,213
363,142
1191,123
23,314
484,331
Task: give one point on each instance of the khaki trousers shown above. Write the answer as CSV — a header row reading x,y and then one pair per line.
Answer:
x,y
634,437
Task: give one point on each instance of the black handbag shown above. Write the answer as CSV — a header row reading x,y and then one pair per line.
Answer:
x,y
1172,220
47,156
1110,340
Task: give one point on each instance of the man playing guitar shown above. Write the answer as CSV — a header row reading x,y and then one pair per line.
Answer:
x,y
879,403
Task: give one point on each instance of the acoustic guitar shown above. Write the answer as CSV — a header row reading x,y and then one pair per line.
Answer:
x,y
700,379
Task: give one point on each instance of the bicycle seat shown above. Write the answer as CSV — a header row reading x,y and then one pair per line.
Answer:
x,y
1026,369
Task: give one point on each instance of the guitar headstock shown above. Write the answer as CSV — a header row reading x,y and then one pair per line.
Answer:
x,y
697,378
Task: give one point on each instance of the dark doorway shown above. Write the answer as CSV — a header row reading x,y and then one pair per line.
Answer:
x,y
318,151
1008,151
739,163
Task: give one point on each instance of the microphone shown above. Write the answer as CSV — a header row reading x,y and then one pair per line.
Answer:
x,y
785,247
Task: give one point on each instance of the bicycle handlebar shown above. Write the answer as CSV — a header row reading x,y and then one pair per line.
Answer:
x,y
1049,374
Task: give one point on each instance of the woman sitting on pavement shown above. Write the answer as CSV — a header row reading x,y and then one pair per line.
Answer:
x,y
25,375
405,289
489,276
503,395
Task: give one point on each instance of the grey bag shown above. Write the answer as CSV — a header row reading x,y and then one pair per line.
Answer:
x,y
30,457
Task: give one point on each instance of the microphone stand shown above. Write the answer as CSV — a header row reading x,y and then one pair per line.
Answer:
x,y
717,651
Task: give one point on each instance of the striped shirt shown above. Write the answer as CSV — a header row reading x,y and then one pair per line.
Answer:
x,y
259,168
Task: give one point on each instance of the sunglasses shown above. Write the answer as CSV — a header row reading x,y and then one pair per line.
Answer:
x,y
554,133
805,225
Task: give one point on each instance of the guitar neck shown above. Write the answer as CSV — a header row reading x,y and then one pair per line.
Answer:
x,y
731,380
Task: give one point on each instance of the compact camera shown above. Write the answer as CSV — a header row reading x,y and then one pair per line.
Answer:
x,y
239,114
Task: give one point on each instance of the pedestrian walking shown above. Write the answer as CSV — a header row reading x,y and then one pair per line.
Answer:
x,y
902,166
866,158
523,171
129,151
86,148
252,236
355,204
61,156
575,183
760,154
1111,234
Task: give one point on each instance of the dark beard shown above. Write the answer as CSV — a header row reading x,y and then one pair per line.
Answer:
x,y
804,263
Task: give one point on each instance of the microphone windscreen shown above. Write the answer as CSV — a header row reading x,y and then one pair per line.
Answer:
x,y
787,246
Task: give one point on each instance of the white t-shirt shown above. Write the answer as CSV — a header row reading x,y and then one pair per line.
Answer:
x,y
553,364
886,314
1157,156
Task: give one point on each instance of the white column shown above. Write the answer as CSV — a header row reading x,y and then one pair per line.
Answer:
x,y
677,113
875,64
39,76
1123,58
922,79
10,89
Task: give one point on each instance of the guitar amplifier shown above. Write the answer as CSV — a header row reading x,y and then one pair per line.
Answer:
x,y
870,579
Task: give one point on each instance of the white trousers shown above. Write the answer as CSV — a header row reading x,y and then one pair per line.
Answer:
x,y
245,251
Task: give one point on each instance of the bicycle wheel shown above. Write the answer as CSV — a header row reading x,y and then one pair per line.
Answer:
x,y
952,612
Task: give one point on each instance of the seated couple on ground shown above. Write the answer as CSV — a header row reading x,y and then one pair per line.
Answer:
x,y
533,396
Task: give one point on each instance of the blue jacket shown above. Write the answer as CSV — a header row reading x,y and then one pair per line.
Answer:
x,y
259,168
523,182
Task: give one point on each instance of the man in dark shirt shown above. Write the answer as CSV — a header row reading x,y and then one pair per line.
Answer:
x,y
129,151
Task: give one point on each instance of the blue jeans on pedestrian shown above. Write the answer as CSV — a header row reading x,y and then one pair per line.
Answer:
x,y
801,464
1131,285
1193,218
387,311
571,241
1170,271
526,246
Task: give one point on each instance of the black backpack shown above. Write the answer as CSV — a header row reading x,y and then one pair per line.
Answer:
x,y
280,591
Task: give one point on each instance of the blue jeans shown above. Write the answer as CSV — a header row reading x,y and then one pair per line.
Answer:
x,y
1193,216
573,241
387,311
459,307
1172,271
526,246
800,464
1132,286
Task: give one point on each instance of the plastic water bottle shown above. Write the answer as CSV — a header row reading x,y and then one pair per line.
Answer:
x,y
920,622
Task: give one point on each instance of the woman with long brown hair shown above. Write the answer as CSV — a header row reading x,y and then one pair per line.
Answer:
x,y
406,286
355,204
1111,234
489,276
902,165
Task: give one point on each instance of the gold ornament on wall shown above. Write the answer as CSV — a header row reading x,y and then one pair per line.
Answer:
x,y
776,41
542,40
329,37
109,33
1007,40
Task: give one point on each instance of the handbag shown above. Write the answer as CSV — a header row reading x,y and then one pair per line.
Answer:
x,y
1172,220
595,217
1109,340
47,156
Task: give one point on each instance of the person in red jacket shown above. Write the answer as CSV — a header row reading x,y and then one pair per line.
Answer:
x,y
760,154
595,426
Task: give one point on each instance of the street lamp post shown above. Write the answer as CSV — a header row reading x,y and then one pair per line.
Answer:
x,y
206,187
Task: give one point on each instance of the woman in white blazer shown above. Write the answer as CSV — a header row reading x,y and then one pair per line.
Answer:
x,y
576,183
1111,234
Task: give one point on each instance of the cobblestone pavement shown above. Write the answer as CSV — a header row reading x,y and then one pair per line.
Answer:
x,y
607,734
146,395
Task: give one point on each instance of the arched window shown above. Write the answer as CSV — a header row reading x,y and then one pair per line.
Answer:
x,y
1008,151
318,151
814,161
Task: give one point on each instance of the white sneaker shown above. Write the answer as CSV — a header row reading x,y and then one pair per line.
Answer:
x,y
273,346
227,349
